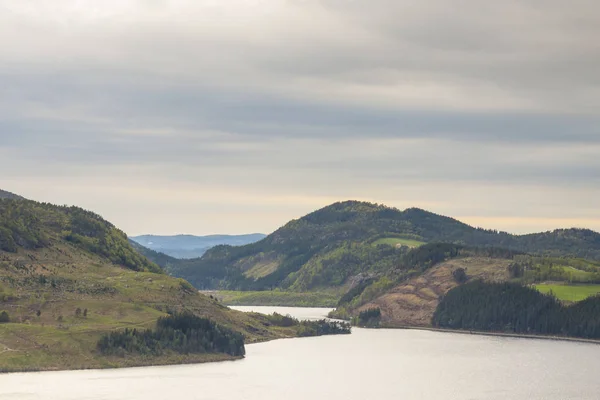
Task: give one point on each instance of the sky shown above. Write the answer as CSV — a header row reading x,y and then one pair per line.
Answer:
x,y
212,116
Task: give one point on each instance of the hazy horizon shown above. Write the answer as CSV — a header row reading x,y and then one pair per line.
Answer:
x,y
490,220
180,116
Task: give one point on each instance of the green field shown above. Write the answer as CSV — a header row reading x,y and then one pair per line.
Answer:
x,y
569,292
576,274
276,298
394,241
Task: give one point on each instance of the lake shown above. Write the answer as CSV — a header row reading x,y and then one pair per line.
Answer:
x,y
369,364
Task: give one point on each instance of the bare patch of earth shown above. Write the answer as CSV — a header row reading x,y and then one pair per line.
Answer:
x,y
414,302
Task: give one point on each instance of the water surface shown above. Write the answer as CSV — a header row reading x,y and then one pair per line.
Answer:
x,y
303,313
369,364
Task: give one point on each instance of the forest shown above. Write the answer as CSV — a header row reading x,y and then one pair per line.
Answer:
x,y
182,333
31,225
513,308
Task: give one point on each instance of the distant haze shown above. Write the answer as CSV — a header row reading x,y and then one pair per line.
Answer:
x,y
189,246
236,116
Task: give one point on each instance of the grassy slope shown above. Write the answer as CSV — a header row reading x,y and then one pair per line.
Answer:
x,y
393,241
55,260
569,293
115,298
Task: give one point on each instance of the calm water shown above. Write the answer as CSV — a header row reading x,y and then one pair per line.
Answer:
x,y
369,364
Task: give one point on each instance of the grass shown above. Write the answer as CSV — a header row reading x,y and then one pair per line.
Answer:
x,y
277,298
262,269
570,293
577,274
54,282
394,241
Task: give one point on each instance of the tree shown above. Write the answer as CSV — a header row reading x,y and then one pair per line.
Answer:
x,y
369,318
4,317
516,270
460,275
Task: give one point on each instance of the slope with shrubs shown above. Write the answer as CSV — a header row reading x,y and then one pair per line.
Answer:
x,y
68,278
30,225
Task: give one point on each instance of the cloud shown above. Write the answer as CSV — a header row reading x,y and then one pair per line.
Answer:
x,y
298,102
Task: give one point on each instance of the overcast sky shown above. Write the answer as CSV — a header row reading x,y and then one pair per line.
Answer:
x,y
234,116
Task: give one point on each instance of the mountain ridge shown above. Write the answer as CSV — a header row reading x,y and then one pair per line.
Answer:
x,y
316,241
185,246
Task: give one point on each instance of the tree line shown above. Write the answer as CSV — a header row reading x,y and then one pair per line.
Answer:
x,y
310,328
510,307
183,333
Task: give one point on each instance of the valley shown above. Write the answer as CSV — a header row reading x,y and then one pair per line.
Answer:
x,y
190,246
68,278
72,283
360,256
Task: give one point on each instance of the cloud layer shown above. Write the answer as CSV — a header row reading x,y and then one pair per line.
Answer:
x,y
208,116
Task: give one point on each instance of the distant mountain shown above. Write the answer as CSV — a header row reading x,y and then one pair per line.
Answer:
x,y
189,246
348,240
8,195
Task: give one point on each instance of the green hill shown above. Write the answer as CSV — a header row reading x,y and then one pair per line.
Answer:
x,y
8,195
29,225
75,294
350,241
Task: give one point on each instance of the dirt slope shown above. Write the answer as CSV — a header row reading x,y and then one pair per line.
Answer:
x,y
414,302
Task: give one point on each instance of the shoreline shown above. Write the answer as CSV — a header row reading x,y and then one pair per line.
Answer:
x,y
495,334
203,359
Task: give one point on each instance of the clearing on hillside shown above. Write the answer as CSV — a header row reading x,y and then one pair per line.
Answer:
x,y
397,242
570,293
413,302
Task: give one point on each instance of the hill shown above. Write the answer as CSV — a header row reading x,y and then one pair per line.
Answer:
x,y
29,225
75,294
189,246
512,308
8,195
347,242
410,297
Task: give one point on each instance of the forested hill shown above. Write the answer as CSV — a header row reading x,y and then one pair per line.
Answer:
x,y
330,245
8,195
29,225
75,294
